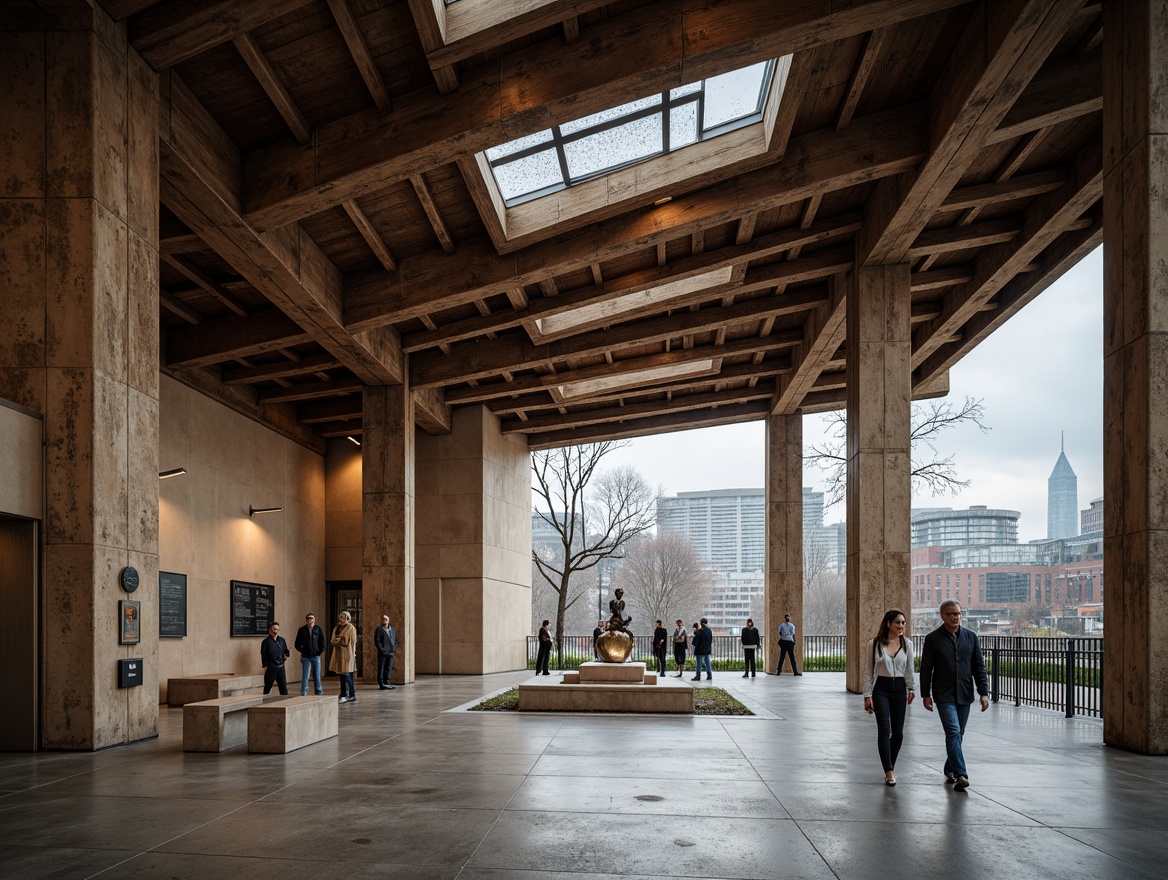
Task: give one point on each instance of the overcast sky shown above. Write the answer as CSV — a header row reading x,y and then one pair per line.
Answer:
x,y
1040,374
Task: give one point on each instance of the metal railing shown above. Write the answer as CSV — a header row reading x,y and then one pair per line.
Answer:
x,y
1063,673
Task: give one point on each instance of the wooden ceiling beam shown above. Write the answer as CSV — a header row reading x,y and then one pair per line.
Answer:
x,y
311,391
372,236
422,189
430,21
1026,187
359,50
662,424
336,410
271,372
261,68
174,245
963,238
646,50
823,333
208,284
865,67
224,339
431,411
1061,91
1003,46
177,307
936,279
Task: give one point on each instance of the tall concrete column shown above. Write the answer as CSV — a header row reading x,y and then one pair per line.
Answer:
x,y
387,522
1135,374
79,307
784,532
879,499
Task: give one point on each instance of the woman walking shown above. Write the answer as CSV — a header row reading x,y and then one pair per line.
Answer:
x,y
680,643
344,657
889,687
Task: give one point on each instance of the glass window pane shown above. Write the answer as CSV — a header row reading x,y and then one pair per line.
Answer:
x,y
615,146
683,125
688,89
519,144
733,95
613,113
529,174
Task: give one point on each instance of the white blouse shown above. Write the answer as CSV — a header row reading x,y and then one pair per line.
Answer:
x,y
898,665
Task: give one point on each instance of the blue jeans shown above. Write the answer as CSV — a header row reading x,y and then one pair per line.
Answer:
x,y
953,719
701,660
347,684
312,663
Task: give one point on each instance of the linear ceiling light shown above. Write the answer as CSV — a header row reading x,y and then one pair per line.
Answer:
x,y
252,511
173,472
354,440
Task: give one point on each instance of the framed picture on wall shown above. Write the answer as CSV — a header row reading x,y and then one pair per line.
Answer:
x,y
130,618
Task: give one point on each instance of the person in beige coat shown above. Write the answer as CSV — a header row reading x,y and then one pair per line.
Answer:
x,y
343,660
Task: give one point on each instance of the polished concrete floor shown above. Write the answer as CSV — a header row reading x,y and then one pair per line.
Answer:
x,y
413,789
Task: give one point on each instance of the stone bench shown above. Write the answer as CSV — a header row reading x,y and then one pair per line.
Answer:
x,y
216,725
201,688
284,725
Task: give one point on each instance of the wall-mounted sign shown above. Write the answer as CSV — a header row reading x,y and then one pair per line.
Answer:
x,y
130,673
253,608
172,605
129,578
130,627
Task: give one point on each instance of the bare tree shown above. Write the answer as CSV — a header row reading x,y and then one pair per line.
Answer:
x,y
594,515
824,592
929,421
664,578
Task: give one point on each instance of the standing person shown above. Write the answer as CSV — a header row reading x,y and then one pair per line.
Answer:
x,y
750,641
596,634
545,649
386,641
311,644
273,653
787,645
951,665
660,643
703,643
888,687
680,643
343,660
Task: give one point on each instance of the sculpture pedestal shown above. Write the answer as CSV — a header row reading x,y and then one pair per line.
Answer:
x,y
606,687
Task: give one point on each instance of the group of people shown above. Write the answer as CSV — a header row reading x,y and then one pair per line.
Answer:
x,y
952,667
310,642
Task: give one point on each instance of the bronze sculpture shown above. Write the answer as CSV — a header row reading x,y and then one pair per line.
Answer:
x,y
616,643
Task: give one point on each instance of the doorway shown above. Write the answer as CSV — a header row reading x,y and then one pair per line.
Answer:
x,y
19,633
346,596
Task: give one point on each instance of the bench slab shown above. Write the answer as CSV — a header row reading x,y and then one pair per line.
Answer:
x,y
217,725
282,726
200,688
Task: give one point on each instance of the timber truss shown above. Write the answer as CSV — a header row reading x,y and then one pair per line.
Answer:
x,y
328,220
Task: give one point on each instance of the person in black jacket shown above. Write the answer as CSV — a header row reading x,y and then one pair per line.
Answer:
x,y
385,639
660,645
273,652
311,644
545,649
703,643
951,666
596,634
750,641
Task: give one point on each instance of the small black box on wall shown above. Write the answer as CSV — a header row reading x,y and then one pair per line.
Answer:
x,y
130,673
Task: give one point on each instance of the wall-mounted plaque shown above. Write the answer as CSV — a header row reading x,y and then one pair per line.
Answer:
x,y
253,608
130,627
129,579
172,605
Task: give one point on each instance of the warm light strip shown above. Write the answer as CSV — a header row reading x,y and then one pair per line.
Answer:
x,y
173,472
252,511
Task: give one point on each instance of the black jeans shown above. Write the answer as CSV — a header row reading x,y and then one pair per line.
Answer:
x,y
889,702
275,675
543,657
384,668
749,653
786,649
659,653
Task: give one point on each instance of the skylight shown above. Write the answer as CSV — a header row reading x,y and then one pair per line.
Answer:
x,y
564,155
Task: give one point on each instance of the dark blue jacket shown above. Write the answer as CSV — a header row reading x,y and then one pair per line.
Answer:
x,y
386,641
950,668
703,641
273,652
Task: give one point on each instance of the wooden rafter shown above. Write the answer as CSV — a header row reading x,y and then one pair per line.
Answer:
x,y
355,40
271,372
865,67
372,237
260,67
311,391
724,415
224,339
208,284
418,181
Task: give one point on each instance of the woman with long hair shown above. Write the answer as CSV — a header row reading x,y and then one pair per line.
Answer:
x,y
889,687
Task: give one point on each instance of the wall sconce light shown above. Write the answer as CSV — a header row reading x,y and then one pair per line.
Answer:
x,y
664,200
173,472
252,511
354,440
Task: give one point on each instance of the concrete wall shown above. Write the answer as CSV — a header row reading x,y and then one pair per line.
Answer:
x,y
21,460
342,477
473,577
205,531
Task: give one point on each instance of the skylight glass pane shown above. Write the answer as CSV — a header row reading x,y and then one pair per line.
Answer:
x,y
682,91
606,115
518,144
614,146
529,174
733,95
683,125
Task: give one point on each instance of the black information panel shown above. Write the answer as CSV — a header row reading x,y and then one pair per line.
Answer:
x,y
253,608
172,605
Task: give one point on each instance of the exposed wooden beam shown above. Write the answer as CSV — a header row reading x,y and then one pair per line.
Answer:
x,y
173,245
372,237
571,29
939,278
176,307
1025,187
258,64
311,391
340,429
1063,90
208,284
823,333
355,40
961,238
865,67
724,415
334,410
430,21
224,339
270,372
794,88
432,212
431,412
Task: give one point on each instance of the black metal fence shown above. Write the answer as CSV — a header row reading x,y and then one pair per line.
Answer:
x,y
1064,673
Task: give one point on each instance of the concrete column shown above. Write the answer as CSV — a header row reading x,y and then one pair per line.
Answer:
x,y
879,496
79,307
473,547
1135,374
784,532
387,523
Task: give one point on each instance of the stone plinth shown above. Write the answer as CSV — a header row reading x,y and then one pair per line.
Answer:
x,y
217,725
667,696
612,673
290,723
200,688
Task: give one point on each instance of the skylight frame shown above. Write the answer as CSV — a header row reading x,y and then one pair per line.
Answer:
x,y
664,107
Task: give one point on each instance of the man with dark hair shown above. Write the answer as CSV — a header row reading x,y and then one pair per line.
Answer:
x,y
660,640
703,643
596,634
311,644
750,641
951,666
273,653
545,649
385,639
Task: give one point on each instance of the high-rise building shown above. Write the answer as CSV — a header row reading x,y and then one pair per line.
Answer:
x,y
728,526
1062,500
1091,519
944,527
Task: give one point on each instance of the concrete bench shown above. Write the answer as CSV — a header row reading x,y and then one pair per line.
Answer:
x,y
282,726
215,725
200,688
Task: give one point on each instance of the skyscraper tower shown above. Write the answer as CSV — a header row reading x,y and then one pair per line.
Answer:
x,y
1062,499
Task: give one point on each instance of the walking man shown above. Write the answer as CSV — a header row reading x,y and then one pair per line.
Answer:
x,y
787,645
703,643
545,649
660,640
273,653
386,641
750,641
951,666
310,643
596,634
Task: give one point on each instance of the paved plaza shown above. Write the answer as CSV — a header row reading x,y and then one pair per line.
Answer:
x,y
411,789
